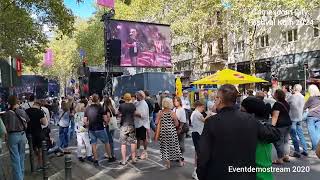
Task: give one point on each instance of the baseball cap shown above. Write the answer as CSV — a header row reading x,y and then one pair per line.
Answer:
x,y
166,92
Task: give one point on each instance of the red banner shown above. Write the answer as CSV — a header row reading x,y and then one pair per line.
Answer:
x,y
19,66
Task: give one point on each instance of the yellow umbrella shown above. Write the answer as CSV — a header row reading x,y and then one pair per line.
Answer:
x,y
228,76
178,87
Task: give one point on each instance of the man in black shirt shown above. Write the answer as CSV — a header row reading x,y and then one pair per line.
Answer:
x,y
37,118
229,140
94,117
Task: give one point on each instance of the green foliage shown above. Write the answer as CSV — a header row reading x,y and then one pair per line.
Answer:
x,y
65,54
21,26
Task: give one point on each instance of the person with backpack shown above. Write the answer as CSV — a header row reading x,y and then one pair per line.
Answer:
x,y
15,121
38,120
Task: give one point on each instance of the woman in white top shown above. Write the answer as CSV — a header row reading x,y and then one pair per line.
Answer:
x,y
83,140
182,118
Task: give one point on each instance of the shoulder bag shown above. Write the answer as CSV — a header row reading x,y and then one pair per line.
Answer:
x,y
113,124
185,126
22,120
61,117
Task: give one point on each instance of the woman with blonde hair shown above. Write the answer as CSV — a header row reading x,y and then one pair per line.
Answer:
x,y
81,129
313,117
166,132
127,111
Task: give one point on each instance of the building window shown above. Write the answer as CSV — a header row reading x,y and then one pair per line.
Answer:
x,y
220,46
262,41
316,30
290,36
239,47
210,49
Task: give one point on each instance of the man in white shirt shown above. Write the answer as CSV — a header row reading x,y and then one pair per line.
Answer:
x,y
197,120
186,105
142,122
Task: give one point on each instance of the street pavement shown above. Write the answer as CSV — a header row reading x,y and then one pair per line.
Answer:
x,y
153,167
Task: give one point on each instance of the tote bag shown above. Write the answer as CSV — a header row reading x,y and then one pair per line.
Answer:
x,y
113,124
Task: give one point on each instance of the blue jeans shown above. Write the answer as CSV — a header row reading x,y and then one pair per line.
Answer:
x,y
63,137
110,138
152,122
16,144
314,130
295,133
72,125
99,134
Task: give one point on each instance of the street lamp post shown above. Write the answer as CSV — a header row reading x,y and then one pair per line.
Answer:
x,y
305,66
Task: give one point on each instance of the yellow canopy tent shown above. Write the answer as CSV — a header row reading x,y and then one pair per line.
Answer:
x,y
228,76
178,87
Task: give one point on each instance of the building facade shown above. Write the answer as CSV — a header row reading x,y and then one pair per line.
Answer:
x,y
281,51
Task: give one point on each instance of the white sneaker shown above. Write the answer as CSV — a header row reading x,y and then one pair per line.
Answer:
x,y
144,155
194,174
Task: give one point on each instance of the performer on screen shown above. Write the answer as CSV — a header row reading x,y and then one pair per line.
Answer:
x,y
133,46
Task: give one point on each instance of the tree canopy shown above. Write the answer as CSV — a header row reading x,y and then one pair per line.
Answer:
x,y
22,24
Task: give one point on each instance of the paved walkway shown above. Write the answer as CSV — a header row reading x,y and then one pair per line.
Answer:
x,y
150,168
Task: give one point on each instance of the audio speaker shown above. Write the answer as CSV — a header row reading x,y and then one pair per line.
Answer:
x,y
114,51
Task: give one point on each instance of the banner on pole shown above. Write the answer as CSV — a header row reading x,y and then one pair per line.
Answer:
x,y
19,66
48,58
106,3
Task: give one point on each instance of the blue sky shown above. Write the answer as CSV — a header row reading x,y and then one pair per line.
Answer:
x,y
83,10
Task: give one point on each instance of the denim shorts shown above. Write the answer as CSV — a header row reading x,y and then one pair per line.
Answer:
x,y
100,134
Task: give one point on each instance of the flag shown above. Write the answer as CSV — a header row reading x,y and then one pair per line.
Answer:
x,y
19,66
106,3
48,58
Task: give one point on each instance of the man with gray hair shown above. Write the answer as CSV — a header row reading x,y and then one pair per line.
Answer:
x,y
142,122
296,102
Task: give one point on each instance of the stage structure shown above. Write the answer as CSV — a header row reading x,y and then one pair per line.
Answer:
x,y
107,55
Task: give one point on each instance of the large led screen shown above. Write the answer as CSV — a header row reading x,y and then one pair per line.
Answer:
x,y
142,44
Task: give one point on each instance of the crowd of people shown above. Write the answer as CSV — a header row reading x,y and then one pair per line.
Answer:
x,y
225,131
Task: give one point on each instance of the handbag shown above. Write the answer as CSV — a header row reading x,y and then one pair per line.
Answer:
x,y
185,128
113,124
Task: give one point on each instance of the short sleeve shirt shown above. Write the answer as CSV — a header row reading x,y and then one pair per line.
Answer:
x,y
284,118
181,114
95,113
196,120
34,126
127,114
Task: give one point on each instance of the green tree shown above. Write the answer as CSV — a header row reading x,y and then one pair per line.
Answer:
x,y
65,55
22,23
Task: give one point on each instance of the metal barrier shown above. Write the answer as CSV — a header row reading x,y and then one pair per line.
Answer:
x,y
31,152
68,167
45,161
